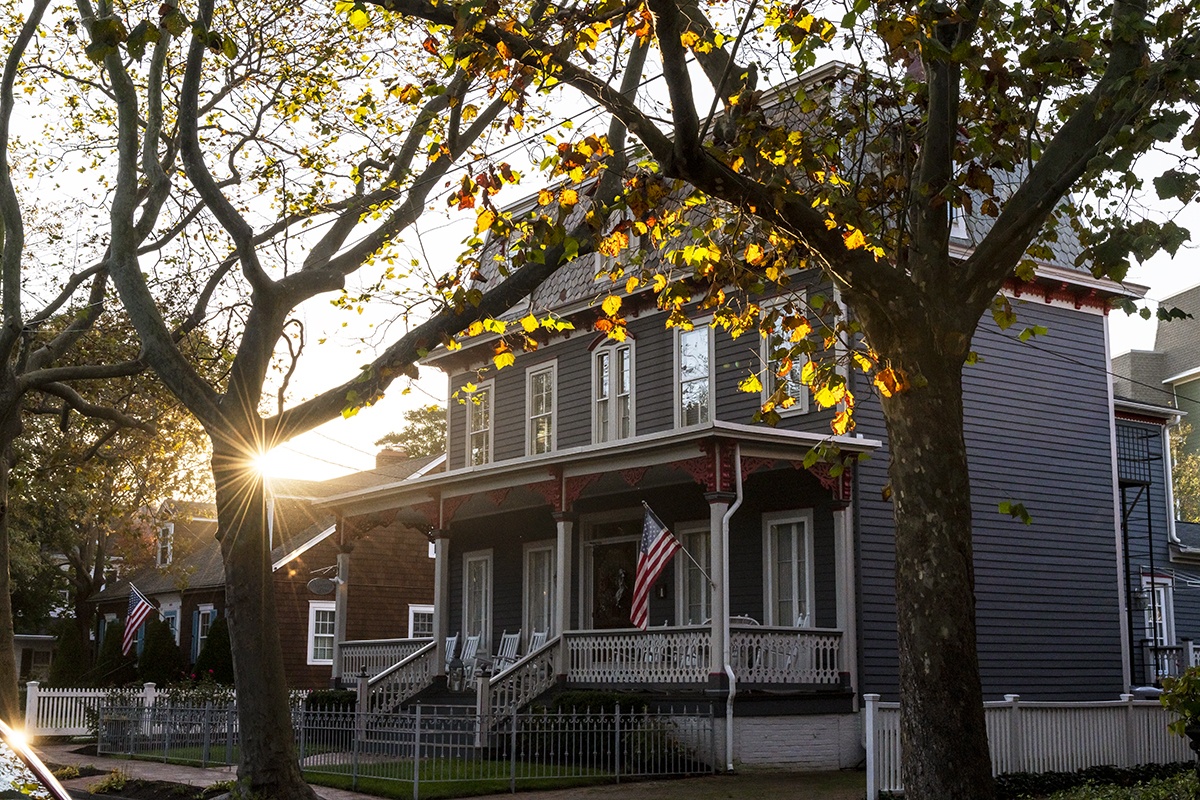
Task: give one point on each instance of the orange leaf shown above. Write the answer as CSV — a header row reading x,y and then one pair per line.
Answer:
x,y
431,45
890,382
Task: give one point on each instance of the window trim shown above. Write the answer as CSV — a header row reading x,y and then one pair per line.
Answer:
x,y
611,350
805,516
801,406
169,529
313,607
203,610
551,367
1157,583
489,387
413,610
485,632
527,626
712,374
168,616
682,568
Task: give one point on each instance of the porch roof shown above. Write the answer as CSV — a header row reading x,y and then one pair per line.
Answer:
x,y
639,451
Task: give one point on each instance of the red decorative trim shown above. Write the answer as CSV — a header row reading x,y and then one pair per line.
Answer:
x,y
450,506
751,464
551,491
353,527
429,511
498,496
839,486
1078,296
701,468
633,476
575,486
725,481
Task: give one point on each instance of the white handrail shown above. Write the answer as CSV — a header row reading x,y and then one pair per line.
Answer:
x,y
401,681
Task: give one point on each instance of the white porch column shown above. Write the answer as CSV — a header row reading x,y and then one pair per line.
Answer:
x,y
845,580
441,597
341,610
718,504
564,580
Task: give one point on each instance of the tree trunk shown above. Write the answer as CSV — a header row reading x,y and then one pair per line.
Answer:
x,y
9,693
942,733
268,768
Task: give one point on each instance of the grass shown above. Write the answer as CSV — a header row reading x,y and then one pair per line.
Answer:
x,y
1180,787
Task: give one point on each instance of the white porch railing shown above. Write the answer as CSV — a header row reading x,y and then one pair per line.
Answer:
x,y
510,690
1040,737
387,690
659,655
785,655
375,655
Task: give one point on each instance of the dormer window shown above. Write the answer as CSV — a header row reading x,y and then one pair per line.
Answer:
x,y
164,544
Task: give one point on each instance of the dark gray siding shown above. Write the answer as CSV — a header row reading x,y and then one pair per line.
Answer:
x,y
1038,432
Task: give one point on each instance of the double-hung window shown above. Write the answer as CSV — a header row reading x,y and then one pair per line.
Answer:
x,y
420,621
539,588
540,384
613,393
477,595
782,370
164,544
322,618
788,569
479,426
694,370
202,620
695,591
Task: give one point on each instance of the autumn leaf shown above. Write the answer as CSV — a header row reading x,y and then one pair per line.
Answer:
x,y
842,423
631,284
545,197
484,220
890,381
529,323
754,254
504,359
475,328
611,305
431,45
569,197
829,395
854,239
751,384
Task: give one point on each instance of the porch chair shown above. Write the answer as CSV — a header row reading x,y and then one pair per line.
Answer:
x,y
537,641
470,658
451,646
506,656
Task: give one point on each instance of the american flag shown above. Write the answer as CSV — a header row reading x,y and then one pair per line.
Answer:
x,y
139,609
655,552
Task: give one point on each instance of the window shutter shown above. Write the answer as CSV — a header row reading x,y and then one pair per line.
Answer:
x,y
195,635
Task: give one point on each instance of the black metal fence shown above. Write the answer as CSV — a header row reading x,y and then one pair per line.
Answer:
x,y
440,746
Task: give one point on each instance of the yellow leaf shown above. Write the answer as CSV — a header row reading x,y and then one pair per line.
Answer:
x,y
842,423
484,220
854,239
660,283
469,387
545,197
754,254
631,284
495,326
808,372
529,323
829,395
862,361
569,197
475,328
611,305
359,19
689,39
751,384
505,359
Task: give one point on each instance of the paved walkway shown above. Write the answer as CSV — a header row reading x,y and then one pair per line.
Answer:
x,y
745,784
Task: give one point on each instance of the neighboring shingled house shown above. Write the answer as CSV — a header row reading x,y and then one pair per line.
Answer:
x,y
389,570
1169,374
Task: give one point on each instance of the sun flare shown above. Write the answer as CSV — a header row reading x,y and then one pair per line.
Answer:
x,y
271,463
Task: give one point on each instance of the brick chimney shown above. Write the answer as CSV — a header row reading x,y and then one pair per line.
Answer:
x,y
390,455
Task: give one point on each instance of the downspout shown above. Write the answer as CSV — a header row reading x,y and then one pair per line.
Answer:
x,y
726,656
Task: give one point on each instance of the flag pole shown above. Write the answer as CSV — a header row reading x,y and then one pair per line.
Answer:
x,y
686,552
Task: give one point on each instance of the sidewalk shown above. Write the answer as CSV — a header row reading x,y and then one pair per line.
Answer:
x,y
746,784
157,771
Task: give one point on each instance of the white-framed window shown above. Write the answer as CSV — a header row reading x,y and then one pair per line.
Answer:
x,y
202,620
420,621
172,619
776,345
479,425
164,544
788,569
694,592
612,393
477,596
1160,610
541,404
694,361
322,618
539,582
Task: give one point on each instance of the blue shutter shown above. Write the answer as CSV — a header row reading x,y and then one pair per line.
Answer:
x,y
195,635
141,639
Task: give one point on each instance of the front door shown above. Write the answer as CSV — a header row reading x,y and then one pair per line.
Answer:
x,y
614,568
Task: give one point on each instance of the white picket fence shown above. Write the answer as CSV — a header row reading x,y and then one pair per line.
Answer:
x,y
1040,737
72,712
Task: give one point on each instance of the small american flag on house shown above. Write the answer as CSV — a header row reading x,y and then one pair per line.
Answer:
x,y
655,552
139,609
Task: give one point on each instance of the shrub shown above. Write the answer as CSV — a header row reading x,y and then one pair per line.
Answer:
x,y
216,659
66,773
112,668
1180,787
112,782
588,700
331,700
161,661
72,658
